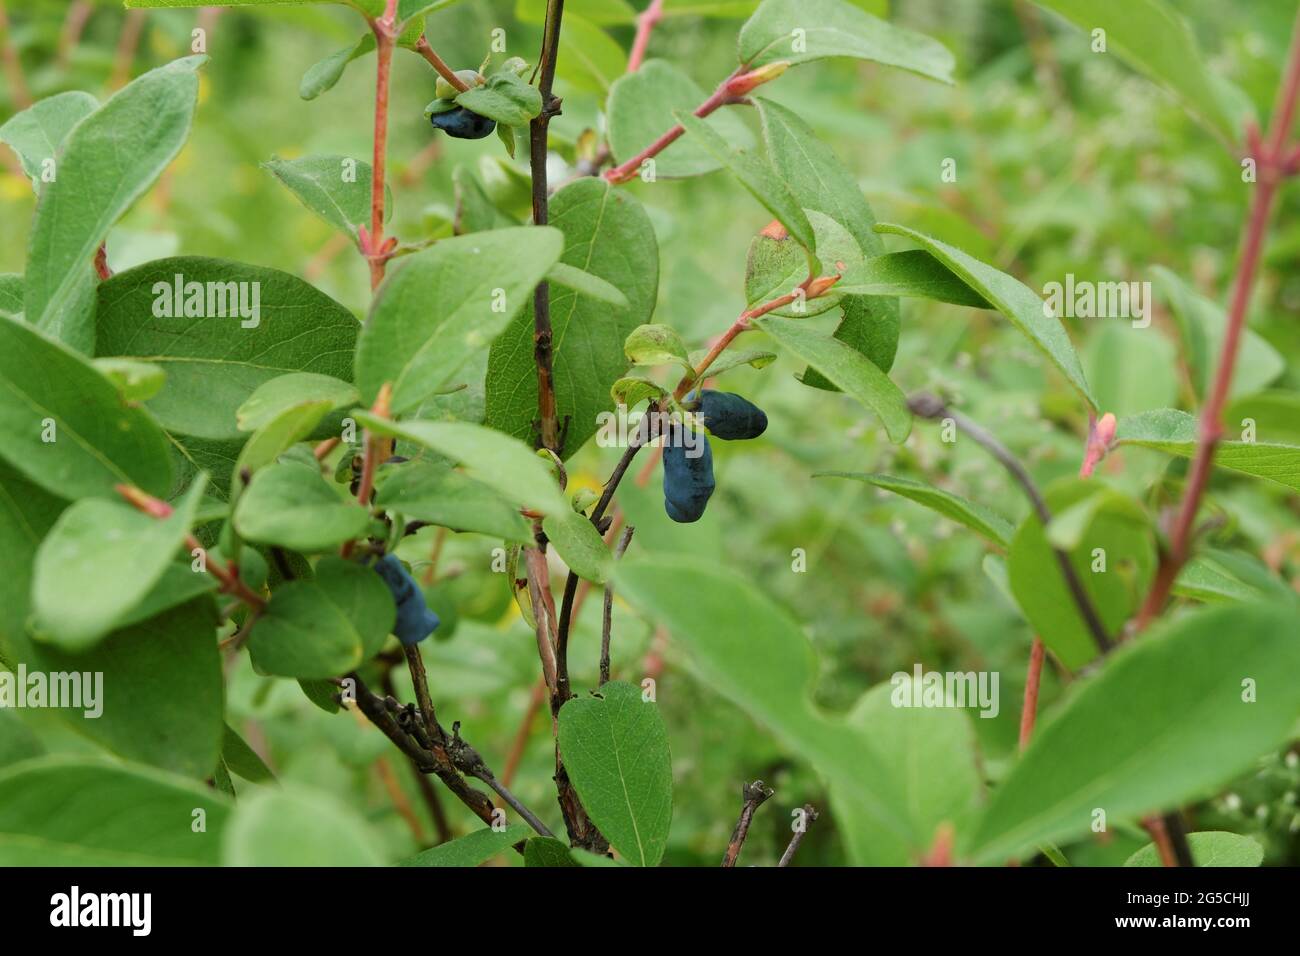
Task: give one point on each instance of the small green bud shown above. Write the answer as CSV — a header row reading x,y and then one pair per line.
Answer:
x,y
445,91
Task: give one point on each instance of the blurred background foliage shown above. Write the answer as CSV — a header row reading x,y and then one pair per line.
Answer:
x,y
1067,162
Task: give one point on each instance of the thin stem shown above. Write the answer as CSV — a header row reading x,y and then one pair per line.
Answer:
x,y
13,66
538,130
124,56
1273,165
754,794
438,63
516,753
420,681
384,770
1029,712
608,611
373,246
645,24
722,96
504,793
73,25
809,818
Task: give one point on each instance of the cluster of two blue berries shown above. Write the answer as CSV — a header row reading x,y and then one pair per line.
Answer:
x,y
688,459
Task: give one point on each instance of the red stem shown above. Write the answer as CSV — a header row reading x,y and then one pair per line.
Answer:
x,y
373,245
22,97
626,172
1272,168
438,63
1032,681
645,24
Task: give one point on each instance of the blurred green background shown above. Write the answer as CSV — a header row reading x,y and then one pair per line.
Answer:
x,y
1066,162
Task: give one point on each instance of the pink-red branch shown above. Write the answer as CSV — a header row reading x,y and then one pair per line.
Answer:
x,y
732,90
1273,159
373,246
645,25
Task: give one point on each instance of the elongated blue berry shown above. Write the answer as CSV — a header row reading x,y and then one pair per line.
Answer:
x,y
463,124
688,481
415,621
728,416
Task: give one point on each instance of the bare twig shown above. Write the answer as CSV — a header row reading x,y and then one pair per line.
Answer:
x,y
646,21
608,612
931,406
754,796
538,130
809,818
468,760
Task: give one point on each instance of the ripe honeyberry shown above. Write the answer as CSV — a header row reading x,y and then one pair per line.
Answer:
x,y
688,482
415,621
462,124
728,416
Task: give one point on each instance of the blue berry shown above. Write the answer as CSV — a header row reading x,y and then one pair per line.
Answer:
x,y
463,124
415,621
728,416
688,482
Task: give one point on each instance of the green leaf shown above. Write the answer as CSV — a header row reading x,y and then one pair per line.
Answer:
x,y
434,492
590,58
294,827
498,461
578,544
18,742
505,98
157,686
324,627
631,390
242,759
1020,304
820,183
547,851
931,752
815,176
1164,722
1153,38
336,188
913,273
600,224
324,74
11,296
1175,433
48,390
777,267
275,396
135,381
74,811
479,847
1131,369
848,370
99,560
993,527
758,178
1216,575
586,284
107,162
216,360
1202,325
1274,412
749,650
37,132
26,515
277,436
798,31
656,345
1209,848
441,306
734,358
290,505
615,748
1103,520
643,105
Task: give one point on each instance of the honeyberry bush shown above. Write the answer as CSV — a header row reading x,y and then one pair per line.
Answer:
x,y
310,351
